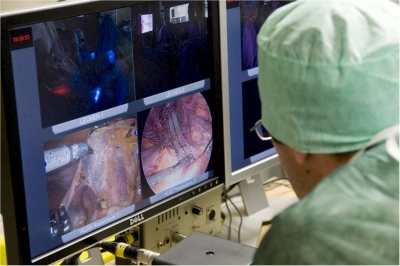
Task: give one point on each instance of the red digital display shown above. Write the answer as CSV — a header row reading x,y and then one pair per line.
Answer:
x,y
21,38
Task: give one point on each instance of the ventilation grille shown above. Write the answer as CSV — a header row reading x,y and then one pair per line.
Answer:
x,y
168,215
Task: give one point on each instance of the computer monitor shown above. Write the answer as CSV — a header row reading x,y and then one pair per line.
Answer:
x,y
248,159
179,13
102,129
146,23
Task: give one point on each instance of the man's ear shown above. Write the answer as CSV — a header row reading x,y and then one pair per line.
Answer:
x,y
300,157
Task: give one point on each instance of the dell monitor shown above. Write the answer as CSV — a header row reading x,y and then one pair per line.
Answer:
x,y
247,158
102,129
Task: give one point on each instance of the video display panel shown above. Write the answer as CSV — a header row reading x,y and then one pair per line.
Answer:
x,y
251,113
100,176
179,13
176,142
86,66
244,20
120,120
146,23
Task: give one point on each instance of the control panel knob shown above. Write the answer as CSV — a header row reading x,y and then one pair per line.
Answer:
x,y
197,210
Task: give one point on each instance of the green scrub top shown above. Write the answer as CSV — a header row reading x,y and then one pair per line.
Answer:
x,y
351,217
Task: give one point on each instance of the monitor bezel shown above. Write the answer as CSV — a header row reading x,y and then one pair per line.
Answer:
x,y
269,163
13,202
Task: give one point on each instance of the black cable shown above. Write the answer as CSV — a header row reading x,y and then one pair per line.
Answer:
x,y
129,237
226,197
278,185
73,260
230,214
274,180
264,184
241,218
130,252
231,187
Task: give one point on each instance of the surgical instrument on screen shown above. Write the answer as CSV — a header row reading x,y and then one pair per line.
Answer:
x,y
58,157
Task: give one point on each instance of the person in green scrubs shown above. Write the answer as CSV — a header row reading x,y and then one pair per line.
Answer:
x,y
329,88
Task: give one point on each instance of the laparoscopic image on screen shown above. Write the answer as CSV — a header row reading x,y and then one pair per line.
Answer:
x,y
99,61
85,65
98,177
99,171
176,142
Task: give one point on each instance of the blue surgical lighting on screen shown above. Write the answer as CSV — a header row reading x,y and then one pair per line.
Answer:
x,y
111,56
97,94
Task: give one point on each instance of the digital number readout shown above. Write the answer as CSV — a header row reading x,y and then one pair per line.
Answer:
x,y
21,38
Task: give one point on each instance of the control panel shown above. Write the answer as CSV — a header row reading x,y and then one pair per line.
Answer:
x,y
202,213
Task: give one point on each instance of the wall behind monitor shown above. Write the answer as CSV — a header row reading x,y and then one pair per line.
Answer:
x,y
20,4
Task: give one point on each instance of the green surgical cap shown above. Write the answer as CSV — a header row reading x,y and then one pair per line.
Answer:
x,y
329,73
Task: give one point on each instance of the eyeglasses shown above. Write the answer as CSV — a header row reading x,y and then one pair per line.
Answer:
x,y
262,133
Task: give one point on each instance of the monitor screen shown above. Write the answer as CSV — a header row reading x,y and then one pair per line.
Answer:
x,y
246,154
146,23
102,129
179,14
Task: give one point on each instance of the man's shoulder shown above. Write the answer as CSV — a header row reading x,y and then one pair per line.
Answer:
x,y
333,230
363,190
371,181
345,219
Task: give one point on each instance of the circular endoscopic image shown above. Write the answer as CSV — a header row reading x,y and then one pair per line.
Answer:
x,y
177,142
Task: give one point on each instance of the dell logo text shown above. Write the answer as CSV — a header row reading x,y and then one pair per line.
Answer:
x,y
136,219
